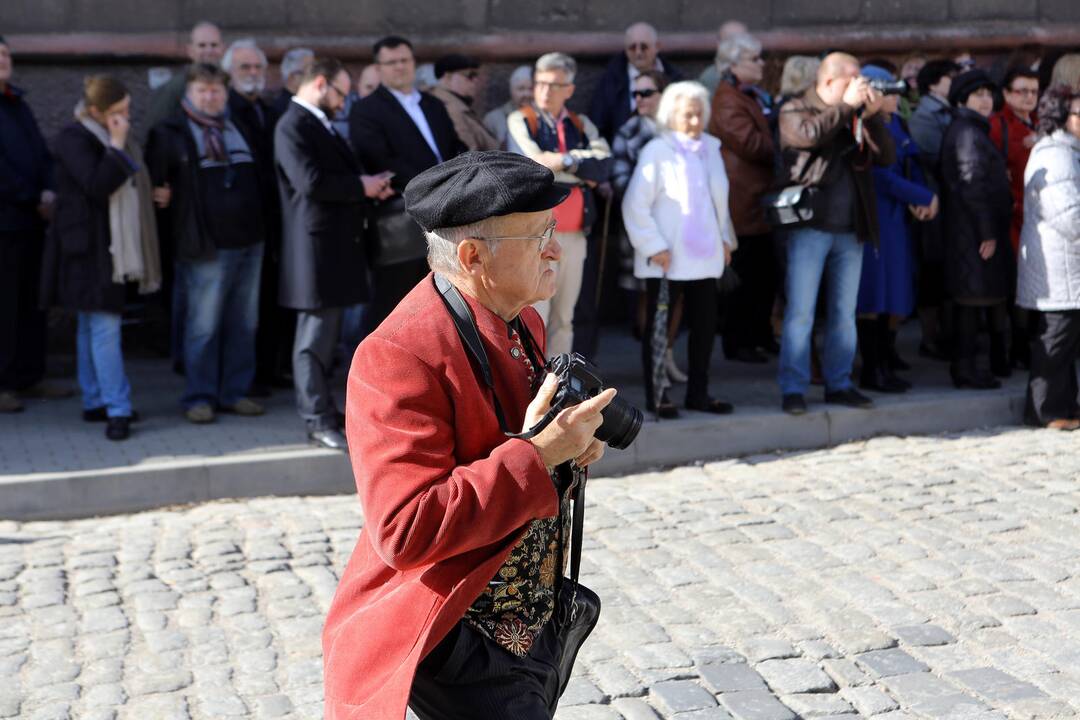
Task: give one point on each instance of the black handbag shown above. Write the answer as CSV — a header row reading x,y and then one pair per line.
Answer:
x,y
577,608
400,238
791,207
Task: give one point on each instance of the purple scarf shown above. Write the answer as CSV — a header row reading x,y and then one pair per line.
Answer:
x,y
694,196
213,127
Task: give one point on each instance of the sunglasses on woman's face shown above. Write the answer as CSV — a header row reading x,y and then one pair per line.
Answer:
x,y
643,93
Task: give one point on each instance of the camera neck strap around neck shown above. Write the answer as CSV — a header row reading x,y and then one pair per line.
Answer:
x,y
470,338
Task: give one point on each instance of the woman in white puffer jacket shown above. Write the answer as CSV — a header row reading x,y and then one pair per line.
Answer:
x,y
676,215
1049,261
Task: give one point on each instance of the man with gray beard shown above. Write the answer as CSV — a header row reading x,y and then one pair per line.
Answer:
x,y
246,64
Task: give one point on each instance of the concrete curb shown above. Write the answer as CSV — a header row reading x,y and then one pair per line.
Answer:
x,y
309,471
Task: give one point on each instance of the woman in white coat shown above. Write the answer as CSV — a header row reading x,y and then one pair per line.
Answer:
x,y
1049,262
676,214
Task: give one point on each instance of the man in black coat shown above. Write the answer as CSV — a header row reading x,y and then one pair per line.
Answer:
x,y
246,64
399,129
611,103
25,198
325,202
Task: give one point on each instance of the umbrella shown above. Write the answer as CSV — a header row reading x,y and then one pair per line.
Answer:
x,y
658,344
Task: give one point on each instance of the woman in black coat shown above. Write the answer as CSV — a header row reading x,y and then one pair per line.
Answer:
x,y
978,207
102,236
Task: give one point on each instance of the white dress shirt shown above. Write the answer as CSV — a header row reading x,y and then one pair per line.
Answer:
x,y
316,112
411,103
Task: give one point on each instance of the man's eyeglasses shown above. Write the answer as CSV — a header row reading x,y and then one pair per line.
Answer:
x,y
551,85
543,239
638,47
470,75
1024,91
644,93
336,89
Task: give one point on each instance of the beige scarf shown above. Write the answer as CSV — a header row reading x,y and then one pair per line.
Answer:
x,y
132,229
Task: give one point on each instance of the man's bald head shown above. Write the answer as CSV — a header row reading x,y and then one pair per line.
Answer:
x,y
642,43
836,72
731,28
206,45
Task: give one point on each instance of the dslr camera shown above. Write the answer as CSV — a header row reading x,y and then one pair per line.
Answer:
x,y
885,87
580,380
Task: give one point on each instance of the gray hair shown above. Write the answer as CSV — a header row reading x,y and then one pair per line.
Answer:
x,y
293,61
800,72
730,50
689,89
557,61
520,74
443,243
248,43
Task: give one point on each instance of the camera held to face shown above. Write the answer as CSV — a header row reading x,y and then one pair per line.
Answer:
x,y
885,87
580,380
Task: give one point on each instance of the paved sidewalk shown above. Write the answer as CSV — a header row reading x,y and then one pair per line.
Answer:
x,y
54,465
929,577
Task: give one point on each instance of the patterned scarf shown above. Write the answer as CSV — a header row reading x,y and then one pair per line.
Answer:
x,y
213,127
694,196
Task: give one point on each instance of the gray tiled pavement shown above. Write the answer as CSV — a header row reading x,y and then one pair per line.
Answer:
x,y
934,577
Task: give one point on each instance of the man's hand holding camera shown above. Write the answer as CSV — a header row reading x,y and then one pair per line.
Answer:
x,y
860,95
571,435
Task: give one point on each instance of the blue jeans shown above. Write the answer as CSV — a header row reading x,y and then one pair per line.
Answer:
x,y
219,330
100,363
812,254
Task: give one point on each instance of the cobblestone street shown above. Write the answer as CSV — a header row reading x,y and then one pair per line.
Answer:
x,y
896,578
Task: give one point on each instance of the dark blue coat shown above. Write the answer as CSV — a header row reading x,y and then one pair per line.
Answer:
x,y
888,276
610,107
25,164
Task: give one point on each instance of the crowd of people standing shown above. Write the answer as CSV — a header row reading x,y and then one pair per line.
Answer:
x,y
273,229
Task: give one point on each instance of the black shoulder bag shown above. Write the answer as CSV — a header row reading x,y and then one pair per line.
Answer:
x,y
577,608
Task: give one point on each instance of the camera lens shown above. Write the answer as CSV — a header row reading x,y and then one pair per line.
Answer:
x,y
622,422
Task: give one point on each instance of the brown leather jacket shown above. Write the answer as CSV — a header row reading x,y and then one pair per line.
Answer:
x,y
815,138
747,147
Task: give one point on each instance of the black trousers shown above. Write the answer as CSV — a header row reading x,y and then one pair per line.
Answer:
x,y
1055,348
392,283
312,361
748,323
699,313
22,323
468,677
277,325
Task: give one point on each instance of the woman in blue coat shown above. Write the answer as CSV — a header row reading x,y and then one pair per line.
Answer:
x,y
887,288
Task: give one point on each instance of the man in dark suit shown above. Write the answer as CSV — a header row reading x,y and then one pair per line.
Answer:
x,y
611,103
325,199
399,129
246,64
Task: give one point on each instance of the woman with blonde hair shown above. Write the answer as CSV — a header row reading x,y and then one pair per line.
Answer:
x,y
102,237
676,214
1067,72
799,73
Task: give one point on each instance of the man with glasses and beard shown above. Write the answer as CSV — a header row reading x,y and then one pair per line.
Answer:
x,y
325,198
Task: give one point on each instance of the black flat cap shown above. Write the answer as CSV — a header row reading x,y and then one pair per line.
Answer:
x,y
454,63
479,185
968,82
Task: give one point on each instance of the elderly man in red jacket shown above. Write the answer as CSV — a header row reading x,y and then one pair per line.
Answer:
x,y
446,601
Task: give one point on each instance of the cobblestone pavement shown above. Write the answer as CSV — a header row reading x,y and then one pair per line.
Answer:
x,y
895,578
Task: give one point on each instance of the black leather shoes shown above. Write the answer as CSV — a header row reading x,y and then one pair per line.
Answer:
x,y
118,428
709,405
332,439
748,355
849,397
793,404
666,411
99,414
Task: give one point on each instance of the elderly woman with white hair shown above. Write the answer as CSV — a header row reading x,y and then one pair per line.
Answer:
x,y
747,148
676,215
521,89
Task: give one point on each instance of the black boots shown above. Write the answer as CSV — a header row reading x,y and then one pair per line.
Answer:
x,y
877,373
963,370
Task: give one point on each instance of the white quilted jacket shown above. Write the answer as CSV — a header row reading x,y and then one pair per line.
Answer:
x,y
1049,261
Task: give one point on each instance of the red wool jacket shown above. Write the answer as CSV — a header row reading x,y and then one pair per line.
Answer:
x,y
1016,158
445,496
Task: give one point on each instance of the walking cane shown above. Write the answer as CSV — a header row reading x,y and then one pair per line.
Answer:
x,y
603,253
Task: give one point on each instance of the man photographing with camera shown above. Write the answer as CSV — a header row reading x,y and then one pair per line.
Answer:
x,y
451,600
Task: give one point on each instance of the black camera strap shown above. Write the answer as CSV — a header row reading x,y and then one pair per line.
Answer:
x,y
470,337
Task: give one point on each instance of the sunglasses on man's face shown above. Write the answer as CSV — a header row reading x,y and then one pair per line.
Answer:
x,y
644,93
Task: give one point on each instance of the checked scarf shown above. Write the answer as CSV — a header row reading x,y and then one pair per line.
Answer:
x,y
213,127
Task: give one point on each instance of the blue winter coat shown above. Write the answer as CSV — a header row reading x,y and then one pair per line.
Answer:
x,y
888,276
